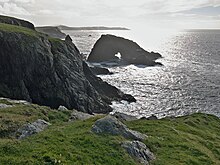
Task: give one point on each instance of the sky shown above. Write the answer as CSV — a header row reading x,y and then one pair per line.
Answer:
x,y
175,14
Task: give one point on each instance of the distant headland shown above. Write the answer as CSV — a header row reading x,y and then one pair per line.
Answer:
x,y
63,27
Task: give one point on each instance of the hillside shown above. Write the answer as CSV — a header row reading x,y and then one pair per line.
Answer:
x,y
186,140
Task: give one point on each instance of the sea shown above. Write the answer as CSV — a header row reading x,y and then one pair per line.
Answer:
x,y
188,82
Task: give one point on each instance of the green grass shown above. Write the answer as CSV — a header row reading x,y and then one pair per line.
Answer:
x,y
18,29
13,117
64,142
70,143
190,140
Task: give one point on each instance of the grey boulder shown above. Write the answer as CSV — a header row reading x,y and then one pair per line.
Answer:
x,y
31,128
5,106
112,126
124,117
62,108
77,115
138,151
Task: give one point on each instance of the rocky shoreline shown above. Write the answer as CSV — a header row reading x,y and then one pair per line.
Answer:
x,y
50,72
55,110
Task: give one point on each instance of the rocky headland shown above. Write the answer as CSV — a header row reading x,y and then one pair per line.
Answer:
x,y
50,72
63,27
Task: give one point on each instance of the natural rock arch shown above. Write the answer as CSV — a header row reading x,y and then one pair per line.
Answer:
x,y
108,46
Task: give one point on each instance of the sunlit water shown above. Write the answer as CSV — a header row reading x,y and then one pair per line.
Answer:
x,y
188,82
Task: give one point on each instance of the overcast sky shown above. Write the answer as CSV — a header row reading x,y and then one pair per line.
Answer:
x,y
127,13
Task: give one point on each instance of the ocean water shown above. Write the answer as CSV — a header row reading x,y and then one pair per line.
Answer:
x,y
188,82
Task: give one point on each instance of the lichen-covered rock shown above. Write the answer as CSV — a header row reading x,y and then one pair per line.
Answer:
x,y
76,115
138,151
111,125
31,128
108,46
124,117
15,101
5,106
62,108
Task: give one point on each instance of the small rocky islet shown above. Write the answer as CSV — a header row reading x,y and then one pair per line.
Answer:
x,y
64,118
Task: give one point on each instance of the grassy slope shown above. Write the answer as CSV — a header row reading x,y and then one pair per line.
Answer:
x,y
18,29
70,143
189,140
192,140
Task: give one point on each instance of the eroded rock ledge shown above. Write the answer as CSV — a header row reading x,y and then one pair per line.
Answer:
x,y
108,46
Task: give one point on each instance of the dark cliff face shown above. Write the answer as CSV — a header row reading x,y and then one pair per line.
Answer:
x,y
45,71
108,92
15,21
108,46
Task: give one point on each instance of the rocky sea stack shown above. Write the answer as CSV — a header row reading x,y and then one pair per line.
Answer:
x,y
48,71
108,46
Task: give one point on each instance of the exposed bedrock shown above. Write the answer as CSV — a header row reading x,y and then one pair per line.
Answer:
x,y
108,92
50,72
108,46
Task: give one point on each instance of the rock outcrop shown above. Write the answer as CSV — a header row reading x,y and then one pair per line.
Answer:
x,y
2,106
31,129
100,71
138,151
10,101
15,21
76,115
108,92
52,31
112,126
62,108
152,117
124,117
50,72
108,46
